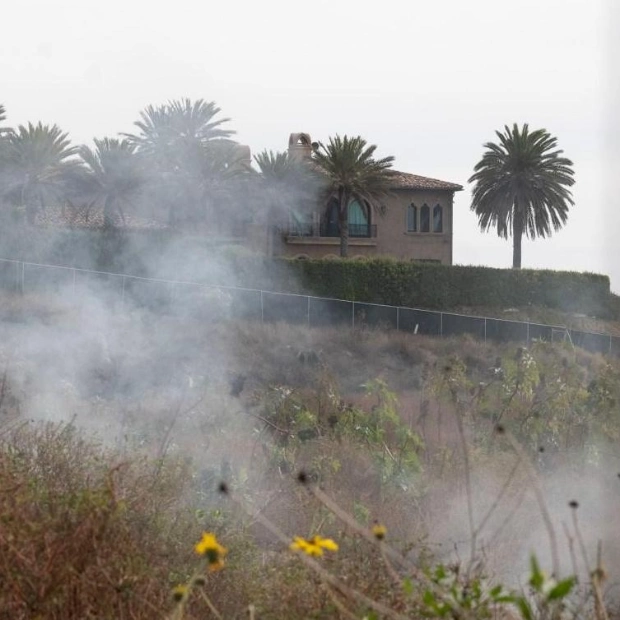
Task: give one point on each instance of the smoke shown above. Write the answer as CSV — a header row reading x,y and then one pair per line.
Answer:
x,y
163,368
514,528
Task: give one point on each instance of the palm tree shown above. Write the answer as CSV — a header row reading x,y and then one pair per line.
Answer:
x,y
167,130
352,174
38,161
521,186
178,139
3,163
286,185
286,193
3,130
113,176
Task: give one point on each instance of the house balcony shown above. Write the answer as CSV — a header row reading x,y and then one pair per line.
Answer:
x,y
328,234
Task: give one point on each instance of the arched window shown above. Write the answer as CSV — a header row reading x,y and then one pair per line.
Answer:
x,y
437,219
412,218
359,225
358,220
425,219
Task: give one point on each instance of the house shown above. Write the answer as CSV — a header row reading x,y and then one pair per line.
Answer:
x,y
416,224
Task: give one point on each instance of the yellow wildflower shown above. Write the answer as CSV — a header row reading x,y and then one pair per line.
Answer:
x,y
214,552
313,546
325,543
379,531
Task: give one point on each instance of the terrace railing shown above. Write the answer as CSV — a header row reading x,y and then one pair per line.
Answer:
x,y
329,230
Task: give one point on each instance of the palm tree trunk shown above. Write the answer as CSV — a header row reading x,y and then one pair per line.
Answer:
x,y
343,224
108,211
517,231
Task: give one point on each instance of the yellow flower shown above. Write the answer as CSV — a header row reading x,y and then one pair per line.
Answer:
x,y
379,531
325,543
179,593
314,546
214,552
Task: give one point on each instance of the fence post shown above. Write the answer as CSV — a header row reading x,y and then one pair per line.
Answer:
x,y
609,345
441,324
17,278
527,337
123,292
485,329
353,314
397,318
308,310
262,308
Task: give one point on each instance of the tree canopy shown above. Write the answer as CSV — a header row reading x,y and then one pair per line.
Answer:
x,y
113,176
37,162
521,186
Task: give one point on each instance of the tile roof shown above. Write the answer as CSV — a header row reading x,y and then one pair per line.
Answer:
x,y
92,219
404,180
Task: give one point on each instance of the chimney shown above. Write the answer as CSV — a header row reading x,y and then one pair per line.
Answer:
x,y
242,156
300,146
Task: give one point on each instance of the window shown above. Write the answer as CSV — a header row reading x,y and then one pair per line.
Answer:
x,y
412,218
425,219
437,219
300,224
359,225
358,221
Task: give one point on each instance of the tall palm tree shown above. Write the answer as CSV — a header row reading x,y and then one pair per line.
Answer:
x,y
352,173
178,139
113,176
38,160
521,186
166,130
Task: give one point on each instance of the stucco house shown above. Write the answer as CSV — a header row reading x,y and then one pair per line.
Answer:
x,y
416,224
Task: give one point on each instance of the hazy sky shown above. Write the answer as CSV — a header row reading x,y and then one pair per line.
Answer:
x,y
428,82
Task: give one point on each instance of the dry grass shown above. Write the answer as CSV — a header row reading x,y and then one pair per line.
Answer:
x,y
91,532
84,535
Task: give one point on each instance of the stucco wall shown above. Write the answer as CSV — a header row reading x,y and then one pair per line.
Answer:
x,y
392,236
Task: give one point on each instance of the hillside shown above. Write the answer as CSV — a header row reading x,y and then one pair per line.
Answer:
x,y
378,419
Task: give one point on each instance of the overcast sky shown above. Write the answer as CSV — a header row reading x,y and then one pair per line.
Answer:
x,y
428,82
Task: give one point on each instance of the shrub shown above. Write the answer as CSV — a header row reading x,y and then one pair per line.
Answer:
x,y
443,287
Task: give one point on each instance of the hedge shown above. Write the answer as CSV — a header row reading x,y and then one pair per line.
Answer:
x,y
436,286
382,280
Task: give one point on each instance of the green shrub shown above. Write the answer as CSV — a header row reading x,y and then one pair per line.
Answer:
x,y
434,286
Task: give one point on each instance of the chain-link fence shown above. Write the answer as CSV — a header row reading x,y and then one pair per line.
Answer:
x,y
267,306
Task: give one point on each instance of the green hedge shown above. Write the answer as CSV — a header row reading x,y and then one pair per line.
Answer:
x,y
435,286
383,281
